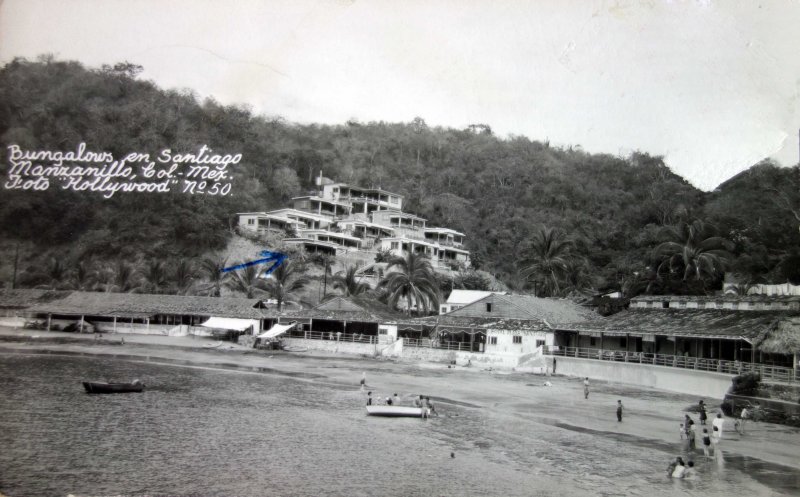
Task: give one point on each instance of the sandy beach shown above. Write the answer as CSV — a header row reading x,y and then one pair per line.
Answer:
x,y
650,421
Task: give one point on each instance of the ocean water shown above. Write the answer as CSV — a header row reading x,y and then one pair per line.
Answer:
x,y
223,432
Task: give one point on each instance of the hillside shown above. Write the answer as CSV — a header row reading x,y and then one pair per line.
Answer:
x,y
498,191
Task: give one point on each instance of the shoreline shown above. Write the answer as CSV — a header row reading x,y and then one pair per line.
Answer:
x,y
651,416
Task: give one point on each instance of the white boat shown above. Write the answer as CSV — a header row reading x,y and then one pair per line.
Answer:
x,y
395,411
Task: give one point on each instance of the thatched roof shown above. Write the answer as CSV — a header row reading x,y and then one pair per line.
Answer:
x,y
136,305
783,337
701,323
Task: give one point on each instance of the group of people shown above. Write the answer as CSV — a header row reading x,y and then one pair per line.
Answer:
x,y
689,435
422,402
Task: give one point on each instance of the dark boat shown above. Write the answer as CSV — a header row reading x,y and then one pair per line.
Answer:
x,y
95,387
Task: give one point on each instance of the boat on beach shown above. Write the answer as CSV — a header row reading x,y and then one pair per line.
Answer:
x,y
99,387
395,411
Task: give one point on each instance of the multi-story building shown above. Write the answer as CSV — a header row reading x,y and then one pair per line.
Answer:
x,y
343,219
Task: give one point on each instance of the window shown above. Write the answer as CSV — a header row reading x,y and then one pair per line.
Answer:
x,y
488,307
623,342
492,340
395,245
539,343
517,339
251,221
665,305
592,341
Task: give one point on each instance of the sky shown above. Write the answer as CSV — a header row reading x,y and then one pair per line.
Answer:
x,y
713,86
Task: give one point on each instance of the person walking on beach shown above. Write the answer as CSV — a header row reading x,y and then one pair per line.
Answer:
x,y
743,417
619,411
717,424
692,436
706,442
703,414
395,400
586,388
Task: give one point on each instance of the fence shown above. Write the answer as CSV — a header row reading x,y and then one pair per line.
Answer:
x,y
433,344
329,335
775,373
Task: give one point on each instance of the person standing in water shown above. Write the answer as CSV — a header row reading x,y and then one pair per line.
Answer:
x,y
586,388
703,414
619,411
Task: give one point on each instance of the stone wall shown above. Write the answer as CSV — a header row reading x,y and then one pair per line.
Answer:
x,y
688,381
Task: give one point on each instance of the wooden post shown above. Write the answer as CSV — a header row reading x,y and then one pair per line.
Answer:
x,y
49,320
81,325
115,324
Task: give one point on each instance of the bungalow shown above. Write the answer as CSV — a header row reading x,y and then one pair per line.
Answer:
x,y
724,334
144,313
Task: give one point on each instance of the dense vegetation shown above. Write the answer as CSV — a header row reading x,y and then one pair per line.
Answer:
x,y
606,218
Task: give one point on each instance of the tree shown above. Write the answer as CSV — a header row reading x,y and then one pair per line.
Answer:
x,y
81,276
692,251
412,277
217,278
349,283
183,276
471,280
123,280
247,281
154,277
285,281
549,253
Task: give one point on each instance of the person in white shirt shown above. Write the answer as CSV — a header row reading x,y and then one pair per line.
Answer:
x,y
718,424
680,470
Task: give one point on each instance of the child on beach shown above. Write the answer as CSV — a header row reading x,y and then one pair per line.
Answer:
x,y
706,442
619,411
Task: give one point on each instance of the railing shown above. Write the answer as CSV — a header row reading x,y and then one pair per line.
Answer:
x,y
334,336
434,344
775,373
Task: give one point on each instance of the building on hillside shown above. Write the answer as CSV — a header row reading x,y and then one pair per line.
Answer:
x,y
719,333
341,219
459,298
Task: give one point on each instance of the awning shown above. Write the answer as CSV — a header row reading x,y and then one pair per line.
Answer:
x,y
228,323
278,329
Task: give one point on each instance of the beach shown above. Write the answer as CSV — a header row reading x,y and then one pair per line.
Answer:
x,y
508,399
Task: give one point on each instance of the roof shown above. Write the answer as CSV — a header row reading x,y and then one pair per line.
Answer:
x,y
340,308
469,324
24,298
783,337
550,310
137,305
717,298
467,296
443,230
701,323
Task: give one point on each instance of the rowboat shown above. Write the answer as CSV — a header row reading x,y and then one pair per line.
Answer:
x,y
96,387
395,411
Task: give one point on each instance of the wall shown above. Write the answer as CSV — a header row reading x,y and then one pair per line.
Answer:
x,y
700,383
335,347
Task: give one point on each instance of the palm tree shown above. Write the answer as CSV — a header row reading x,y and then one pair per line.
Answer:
x,y
80,278
154,277
124,277
577,278
217,278
693,251
349,283
412,278
284,282
550,257
183,276
247,280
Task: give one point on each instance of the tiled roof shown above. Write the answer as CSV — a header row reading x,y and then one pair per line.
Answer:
x,y
22,298
467,296
551,310
716,298
708,323
477,323
360,309
144,305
